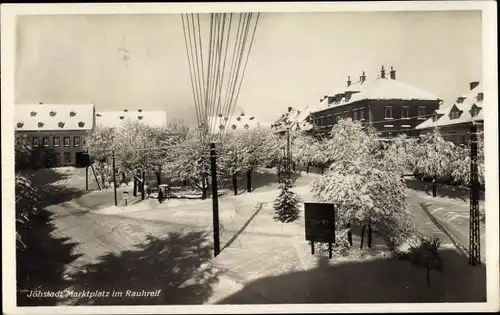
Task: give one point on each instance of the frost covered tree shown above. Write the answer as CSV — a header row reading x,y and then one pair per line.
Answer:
x,y
365,190
400,154
261,147
27,205
304,150
461,166
285,206
434,157
189,160
233,156
23,152
99,144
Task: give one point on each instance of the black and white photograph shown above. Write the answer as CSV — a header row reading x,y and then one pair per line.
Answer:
x,y
250,157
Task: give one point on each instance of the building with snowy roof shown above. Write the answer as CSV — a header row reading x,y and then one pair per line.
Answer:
x,y
115,119
294,119
454,119
60,129
237,122
387,104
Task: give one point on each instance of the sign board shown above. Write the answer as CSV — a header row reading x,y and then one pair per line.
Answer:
x,y
125,194
320,222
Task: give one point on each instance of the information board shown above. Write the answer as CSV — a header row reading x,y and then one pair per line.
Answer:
x,y
320,222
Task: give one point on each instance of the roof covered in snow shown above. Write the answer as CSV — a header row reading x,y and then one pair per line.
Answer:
x,y
53,117
114,119
296,119
444,117
378,89
241,121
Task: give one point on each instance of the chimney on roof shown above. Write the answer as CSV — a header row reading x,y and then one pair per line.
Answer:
x,y
473,84
348,81
41,102
382,72
362,78
289,108
393,74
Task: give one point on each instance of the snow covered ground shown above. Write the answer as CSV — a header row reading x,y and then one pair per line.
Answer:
x,y
254,248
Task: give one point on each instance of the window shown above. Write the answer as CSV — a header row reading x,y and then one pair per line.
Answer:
x,y
67,157
32,114
347,96
52,113
76,141
338,117
40,124
72,114
480,96
61,124
474,111
405,112
421,112
389,135
388,112
346,114
45,141
20,124
36,141
361,114
355,115
66,141
81,124
454,114
56,141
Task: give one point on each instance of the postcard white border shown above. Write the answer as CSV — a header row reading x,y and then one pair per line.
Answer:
x,y
9,12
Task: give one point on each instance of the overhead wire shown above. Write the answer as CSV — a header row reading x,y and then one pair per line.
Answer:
x,y
231,104
246,61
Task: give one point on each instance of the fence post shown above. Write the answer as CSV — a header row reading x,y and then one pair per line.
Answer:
x,y
215,200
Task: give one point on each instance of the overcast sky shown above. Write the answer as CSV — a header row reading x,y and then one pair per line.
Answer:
x,y
296,58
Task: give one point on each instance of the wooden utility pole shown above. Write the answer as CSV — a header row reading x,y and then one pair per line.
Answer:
x,y
114,178
215,200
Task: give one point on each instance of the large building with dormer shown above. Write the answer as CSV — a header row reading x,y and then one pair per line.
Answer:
x,y
454,119
237,122
60,128
389,105
116,118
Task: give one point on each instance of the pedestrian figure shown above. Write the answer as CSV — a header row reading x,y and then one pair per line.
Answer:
x,y
160,195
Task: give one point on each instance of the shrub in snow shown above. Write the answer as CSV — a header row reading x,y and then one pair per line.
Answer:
x,y
286,205
426,255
